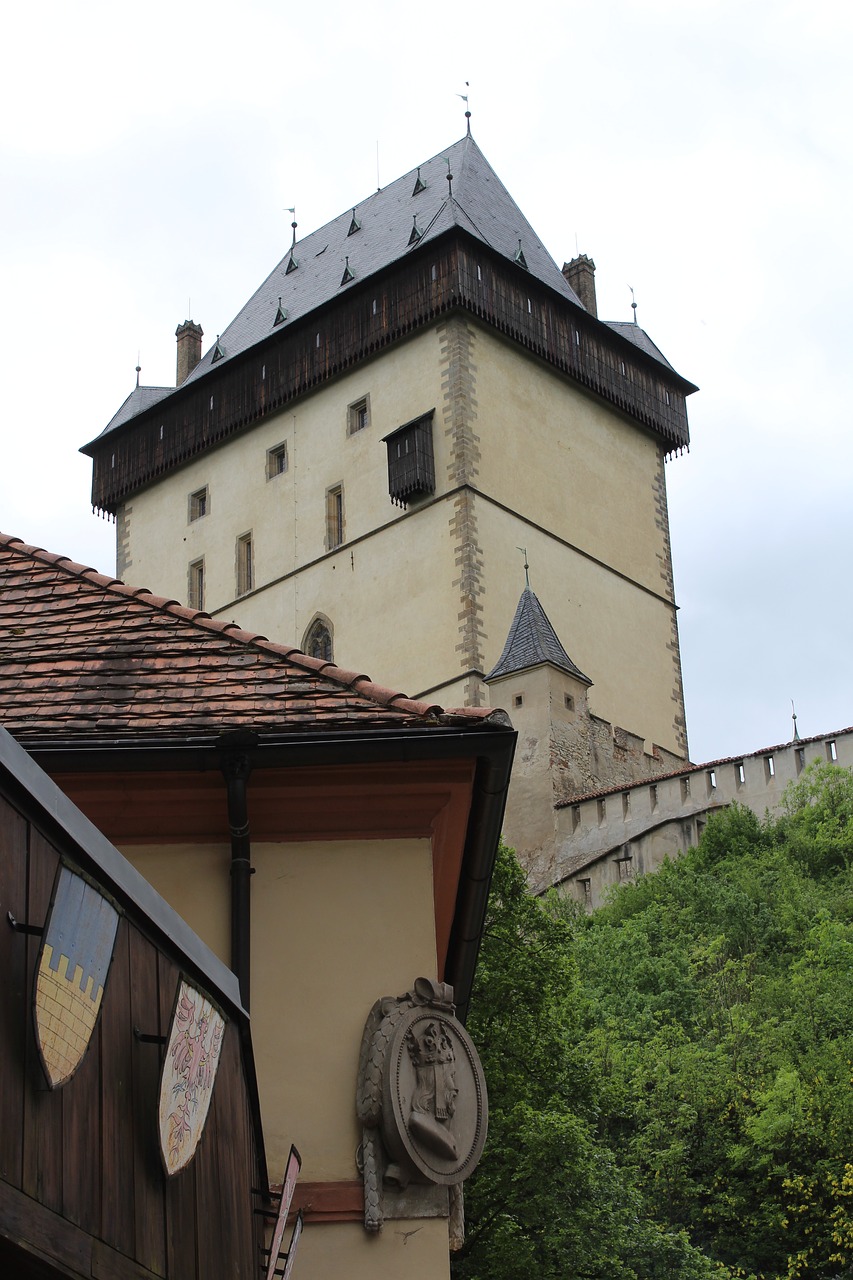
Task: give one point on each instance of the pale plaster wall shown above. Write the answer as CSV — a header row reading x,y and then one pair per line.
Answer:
x,y
553,453
335,925
287,514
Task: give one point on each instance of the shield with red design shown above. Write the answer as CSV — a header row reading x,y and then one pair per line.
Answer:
x,y
74,960
188,1075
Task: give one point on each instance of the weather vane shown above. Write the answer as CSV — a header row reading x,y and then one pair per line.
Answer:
x,y
633,303
523,551
464,97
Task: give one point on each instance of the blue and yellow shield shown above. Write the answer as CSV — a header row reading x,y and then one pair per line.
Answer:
x,y
76,950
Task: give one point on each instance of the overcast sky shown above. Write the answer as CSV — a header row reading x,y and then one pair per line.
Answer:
x,y
699,152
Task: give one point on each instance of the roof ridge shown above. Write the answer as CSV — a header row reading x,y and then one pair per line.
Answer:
x,y
355,681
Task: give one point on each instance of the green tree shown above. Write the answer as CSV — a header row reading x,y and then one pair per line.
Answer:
x,y
670,1078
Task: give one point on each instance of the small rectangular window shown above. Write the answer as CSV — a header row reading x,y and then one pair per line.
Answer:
x,y
740,775
245,564
800,759
518,700
277,460
712,780
685,789
334,517
199,503
358,415
832,751
576,816
626,804
602,811
569,702
653,797
769,768
195,593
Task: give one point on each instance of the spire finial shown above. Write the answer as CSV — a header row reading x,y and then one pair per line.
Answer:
x,y
796,733
633,303
449,178
138,368
292,209
464,97
523,551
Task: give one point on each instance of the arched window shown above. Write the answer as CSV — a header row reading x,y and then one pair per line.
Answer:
x,y
318,639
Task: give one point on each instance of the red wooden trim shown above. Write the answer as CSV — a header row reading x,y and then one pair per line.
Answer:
x,y
327,1201
427,800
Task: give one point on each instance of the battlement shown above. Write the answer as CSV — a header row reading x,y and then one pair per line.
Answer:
x,y
618,833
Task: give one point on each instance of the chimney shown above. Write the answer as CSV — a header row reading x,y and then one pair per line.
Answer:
x,y
580,273
189,336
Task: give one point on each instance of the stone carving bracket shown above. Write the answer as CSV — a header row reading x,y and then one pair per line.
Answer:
x,y
421,1099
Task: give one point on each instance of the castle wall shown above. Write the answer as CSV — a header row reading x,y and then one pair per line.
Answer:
x,y
604,838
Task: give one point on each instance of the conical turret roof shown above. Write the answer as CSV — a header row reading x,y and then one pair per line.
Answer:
x,y
531,641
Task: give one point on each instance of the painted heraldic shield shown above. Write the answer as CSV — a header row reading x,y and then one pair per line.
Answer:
x,y
76,950
189,1072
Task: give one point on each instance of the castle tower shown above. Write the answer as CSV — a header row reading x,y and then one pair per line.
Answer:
x,y
564,749
416,390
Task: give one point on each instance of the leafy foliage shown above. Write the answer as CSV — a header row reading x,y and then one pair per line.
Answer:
x,y
670,1077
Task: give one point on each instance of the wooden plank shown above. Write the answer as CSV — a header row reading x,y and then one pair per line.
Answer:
x,y
81,1157
107,1264
15,1007
148,1179
235,1156
117,1046
42,1232
43,1122
214,1239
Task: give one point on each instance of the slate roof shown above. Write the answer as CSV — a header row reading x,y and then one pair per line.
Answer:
x,y
479,204
531,641
85,657
140,399
639,337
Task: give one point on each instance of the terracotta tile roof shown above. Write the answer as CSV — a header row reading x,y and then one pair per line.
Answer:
x,y
83,656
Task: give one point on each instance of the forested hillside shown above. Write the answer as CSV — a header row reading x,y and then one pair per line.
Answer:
x,y
670,1078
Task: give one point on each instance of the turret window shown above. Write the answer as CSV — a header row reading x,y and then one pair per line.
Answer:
x,y
195,594
358,415
334,517
199,504
318,640
245,564
277,460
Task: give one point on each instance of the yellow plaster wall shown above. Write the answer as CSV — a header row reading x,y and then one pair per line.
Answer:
x,y
566,461
408,1249
335,925
617,634
286,514
195,879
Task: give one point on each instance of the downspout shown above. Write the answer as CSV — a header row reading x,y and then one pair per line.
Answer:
x,y
236,767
